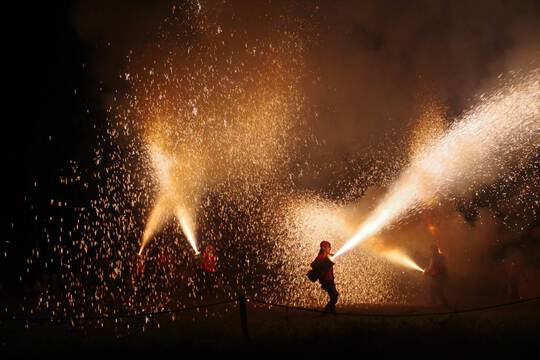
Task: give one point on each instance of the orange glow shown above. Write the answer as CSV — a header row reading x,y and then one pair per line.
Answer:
x,y
169,200
432,229
400,258
474,151
185,223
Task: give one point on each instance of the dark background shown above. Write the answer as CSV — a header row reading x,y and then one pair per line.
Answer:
x,y
51,117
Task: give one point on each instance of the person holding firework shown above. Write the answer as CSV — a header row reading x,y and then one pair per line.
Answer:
x,y
322,269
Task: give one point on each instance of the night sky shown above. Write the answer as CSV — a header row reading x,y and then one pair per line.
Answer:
x,y
53,114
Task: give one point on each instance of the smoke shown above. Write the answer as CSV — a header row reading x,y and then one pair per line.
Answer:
x,y
281,97
370,62
381,59
477,254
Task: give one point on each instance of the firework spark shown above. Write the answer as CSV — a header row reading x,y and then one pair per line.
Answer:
x,y
211,135
187,226
170,197
400,258
301,223
477,149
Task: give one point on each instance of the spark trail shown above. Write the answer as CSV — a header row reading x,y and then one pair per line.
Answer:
x,y
484,144
400,258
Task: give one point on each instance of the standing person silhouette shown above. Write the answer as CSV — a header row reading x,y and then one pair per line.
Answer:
x,y
324,268
437,275
208,272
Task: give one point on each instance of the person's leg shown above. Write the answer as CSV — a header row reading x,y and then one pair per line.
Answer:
x,y
514,292
327,287
212,285
432,292
334,295
442,295
200,285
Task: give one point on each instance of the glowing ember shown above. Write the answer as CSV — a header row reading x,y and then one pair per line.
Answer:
x,y
482,145
432,229
400,258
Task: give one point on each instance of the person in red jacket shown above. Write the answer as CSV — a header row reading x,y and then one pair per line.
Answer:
x,y
208,272
324,267
209,260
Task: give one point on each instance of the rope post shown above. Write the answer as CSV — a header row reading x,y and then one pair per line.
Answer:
x,y
243,315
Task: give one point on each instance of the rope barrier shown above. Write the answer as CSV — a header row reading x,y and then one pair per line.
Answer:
x,y
299,308
121,316
490,307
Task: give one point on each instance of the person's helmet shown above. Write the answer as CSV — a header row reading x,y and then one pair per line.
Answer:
x,y
325,244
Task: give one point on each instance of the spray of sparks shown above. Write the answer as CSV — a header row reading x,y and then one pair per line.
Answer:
x,y
191,156
169,199
504,128
398,257
207,135
302,222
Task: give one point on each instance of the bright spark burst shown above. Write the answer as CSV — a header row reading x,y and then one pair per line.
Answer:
x,y
398,257
302,222
170,199
185,223
474,151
